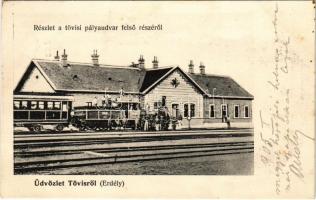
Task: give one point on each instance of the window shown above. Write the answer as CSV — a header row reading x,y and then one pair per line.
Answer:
x,y
224,110
65,106
246,111
16,104
175,110
41,105
163,100
236,111
57,105
50,105
24,105
157,105
212,111
192,108
189,108
34,105
186,110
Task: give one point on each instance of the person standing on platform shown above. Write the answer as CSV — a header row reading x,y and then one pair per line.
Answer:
x,y
146,125
228,122
109,100
157,122
103,101
95,102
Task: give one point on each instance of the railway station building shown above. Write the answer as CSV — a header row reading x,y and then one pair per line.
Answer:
x,y
203,99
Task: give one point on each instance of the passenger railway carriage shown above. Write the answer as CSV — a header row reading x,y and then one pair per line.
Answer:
x,y
36,111
73,93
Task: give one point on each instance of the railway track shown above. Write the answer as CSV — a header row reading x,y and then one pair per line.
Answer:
x,y
44,153
135,154
49,133
32,142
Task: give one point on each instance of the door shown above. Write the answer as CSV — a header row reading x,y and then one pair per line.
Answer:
x,y
224,111
175,110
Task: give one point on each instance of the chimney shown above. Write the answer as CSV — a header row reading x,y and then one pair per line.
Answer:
x,y
64,59
95,58
155,63
202,69
141,62
57,56
191,67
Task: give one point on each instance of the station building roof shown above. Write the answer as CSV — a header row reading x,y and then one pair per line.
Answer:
x,y
223,85
85,77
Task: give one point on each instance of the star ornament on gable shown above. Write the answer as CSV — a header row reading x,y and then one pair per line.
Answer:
x,y
175,82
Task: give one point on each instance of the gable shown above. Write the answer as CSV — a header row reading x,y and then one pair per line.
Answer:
x,y
34,81
152,76
176,82
182,74
176,89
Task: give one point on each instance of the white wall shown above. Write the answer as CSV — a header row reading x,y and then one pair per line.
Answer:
x,y
185,92
37,83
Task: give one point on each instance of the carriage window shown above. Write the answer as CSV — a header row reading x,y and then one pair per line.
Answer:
x,y
50,105
64,105
57,105
16,104
33,104
24,105
41,105
212,110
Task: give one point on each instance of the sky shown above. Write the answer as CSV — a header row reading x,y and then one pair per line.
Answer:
x,y
232,39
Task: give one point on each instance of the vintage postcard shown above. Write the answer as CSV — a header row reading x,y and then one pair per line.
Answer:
x,y
167,99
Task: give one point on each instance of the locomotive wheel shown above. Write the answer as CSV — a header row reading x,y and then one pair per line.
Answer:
x,y
37,128
59,127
